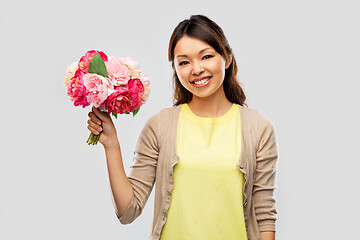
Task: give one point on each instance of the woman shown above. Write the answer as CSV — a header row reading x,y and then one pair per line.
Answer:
x,y
213,159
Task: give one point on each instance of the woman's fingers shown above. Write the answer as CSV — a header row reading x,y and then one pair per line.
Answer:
x,y
94,125
101,122
92,130
103,116
94,118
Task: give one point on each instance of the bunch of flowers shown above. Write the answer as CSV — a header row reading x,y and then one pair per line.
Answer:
x,y
114,85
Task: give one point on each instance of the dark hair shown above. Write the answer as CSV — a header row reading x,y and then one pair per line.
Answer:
x,y
204,29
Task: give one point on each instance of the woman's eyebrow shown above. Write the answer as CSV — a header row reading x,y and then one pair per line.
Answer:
x,y
201,51
205,49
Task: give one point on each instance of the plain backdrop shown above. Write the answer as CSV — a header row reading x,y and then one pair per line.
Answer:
x,y
298,63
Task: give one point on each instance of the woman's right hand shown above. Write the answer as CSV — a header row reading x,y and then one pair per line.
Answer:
x,y
101,122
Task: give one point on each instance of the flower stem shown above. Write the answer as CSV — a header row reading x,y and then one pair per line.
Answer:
x,y
93,139
88,140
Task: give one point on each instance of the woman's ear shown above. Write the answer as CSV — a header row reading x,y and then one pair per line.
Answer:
x,y
228,61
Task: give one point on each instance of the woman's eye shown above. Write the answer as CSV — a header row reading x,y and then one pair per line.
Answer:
x,y
207,56
183,63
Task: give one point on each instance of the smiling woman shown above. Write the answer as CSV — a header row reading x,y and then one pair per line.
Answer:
x,y
198,65
213,159
204,32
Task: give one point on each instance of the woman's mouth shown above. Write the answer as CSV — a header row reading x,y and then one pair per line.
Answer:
x,y
202,82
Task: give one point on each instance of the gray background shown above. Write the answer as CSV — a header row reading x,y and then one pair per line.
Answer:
x,y
298,63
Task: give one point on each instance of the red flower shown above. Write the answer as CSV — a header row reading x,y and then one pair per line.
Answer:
x,y
119,101
77,91
137,90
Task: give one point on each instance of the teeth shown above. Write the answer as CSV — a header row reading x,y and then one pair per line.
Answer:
x,y
202,81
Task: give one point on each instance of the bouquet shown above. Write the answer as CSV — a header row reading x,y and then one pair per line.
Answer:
x,y
114,85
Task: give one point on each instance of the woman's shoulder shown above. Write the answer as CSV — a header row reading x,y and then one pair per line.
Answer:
x,y
169,110
163,117
250,113
255,116
165,113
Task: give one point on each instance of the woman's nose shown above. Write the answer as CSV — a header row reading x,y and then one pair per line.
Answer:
x,y
197,68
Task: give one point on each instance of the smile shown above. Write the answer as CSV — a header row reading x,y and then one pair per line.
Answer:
x,y
202,82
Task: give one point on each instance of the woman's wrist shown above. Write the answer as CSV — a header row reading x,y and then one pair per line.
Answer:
x,y
112,145
268,235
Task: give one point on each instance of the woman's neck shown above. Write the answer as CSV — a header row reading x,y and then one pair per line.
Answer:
x,y
215,105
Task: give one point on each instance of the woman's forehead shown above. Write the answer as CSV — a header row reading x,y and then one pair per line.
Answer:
x,y
189,45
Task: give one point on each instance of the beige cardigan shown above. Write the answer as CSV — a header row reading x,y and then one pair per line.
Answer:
x,y
155,157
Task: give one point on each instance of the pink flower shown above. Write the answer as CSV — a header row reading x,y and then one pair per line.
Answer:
x,y
98,87
77,91
119,73
133,65
146,82
137,90
70,73
119,101
85,60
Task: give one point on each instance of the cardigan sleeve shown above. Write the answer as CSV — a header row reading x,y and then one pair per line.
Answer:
x,y
265,174
143,170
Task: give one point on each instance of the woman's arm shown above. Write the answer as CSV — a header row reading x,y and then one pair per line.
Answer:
x,y
121,188
142,173
267,235
130,193
265,174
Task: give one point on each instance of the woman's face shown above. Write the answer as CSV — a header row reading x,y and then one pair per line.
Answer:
x,y
200,69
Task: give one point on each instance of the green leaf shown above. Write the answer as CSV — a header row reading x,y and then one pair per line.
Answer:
x,y
135,112
97,66
115,115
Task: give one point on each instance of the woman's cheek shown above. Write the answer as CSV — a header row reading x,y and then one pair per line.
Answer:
x,y
181,74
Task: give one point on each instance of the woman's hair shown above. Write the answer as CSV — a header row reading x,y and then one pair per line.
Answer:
x,y
204,29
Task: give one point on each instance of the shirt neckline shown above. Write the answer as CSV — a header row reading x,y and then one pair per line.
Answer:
x,y
187,109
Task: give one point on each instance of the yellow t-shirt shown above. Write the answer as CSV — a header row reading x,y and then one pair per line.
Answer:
x,y
207,197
